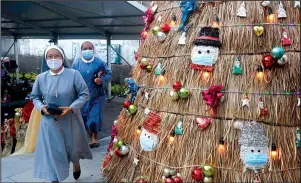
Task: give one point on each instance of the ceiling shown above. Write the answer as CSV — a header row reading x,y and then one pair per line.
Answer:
x,y
120,20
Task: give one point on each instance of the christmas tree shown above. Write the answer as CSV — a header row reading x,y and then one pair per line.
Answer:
x,y
214,96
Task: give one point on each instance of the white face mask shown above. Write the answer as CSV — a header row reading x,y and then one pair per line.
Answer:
x,y
54,64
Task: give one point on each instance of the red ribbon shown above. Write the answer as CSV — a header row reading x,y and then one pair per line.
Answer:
x,y
148,19
208,38
212,97
202,67
113,134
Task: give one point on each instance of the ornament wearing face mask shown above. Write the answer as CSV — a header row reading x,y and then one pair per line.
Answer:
x,y
149,135
206,50
54,64
253,145
87,54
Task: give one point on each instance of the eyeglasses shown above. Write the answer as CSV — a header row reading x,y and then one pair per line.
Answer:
x,y
56,56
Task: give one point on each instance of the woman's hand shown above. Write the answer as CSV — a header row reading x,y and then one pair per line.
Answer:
x,y
66,110
44,110
97,81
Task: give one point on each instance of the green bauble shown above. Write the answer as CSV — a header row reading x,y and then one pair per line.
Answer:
x,y
208,170
120,143
277,52
155,30
132,109
184,93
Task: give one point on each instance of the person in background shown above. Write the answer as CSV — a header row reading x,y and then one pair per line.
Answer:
x,y
59,94
96,74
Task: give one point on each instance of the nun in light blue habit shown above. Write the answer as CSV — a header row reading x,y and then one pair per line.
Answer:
x,y
62,138
97,75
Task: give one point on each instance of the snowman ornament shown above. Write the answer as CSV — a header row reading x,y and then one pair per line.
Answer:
x,y
205,52
149,135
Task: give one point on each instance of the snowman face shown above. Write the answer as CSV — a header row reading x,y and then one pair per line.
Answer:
x,y
204,55
255,157
148,141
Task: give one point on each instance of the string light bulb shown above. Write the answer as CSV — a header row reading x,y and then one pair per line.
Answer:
x,y
138,130
259,73
221,146
172,136
274,151
270,16
206,75
162,78
216,22
173,21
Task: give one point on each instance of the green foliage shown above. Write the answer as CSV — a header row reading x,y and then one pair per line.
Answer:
x,y
118,89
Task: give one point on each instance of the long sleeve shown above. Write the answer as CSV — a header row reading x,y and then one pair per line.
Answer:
x,y
36,95
74,65
107,76
82,92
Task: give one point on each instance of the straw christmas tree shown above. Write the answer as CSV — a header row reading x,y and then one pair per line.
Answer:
x,y
214,96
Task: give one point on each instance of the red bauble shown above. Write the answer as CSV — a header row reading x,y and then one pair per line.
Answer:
x,y
141,181
268,61
169,180
126,104
177,86
177,179
142,66
197,174
118,153
165,28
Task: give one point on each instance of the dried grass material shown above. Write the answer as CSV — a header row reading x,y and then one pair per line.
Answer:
x,y
199,147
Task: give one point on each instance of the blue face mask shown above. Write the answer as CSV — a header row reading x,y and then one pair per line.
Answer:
x,y
199,59
87,54
256,159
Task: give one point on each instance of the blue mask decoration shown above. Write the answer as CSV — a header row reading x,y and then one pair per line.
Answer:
x,y
87,54
256,159
199,59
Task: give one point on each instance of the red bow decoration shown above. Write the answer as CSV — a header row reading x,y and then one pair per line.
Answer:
x,y
212,96
113,134
148,19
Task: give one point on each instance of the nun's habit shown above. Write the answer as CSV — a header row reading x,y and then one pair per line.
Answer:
x,y
92,112
63,141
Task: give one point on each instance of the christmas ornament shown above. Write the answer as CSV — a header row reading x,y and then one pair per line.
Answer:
x,y
149,136
207,180
177,86
174,95
187,7
253,145
182,39
298,142
179,128
165,28
158,69
202,122
281,11
197,174
258,30
212,97
296,4
126,104
115,140
277,52
184,93
149,68
120,144
268,61
169,180
161,36
141,179
107,160
298,101
285,40
205,52
177,179
263,111
241,11
146,95
159,19
124,150
208,170
142,66
155,30
265,3
118,153
132,88
283,60
132,109
144,35
136,161
237,68
145,61
246,102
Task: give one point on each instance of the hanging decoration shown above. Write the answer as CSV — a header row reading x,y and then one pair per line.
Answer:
x,y
246,102
132,88
156,30
136,161
296,4
208,172
171,176
237,67
265,3
113,136
148,19
197,174
279,55
179,91
258,30
179,128
161,36
205,52
263,111
281,11
187,7
285,40
165,28
241,11
253,145
212,97
182,39
149,135
203,122
298,140
184,93
268,61
159,69
122,150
